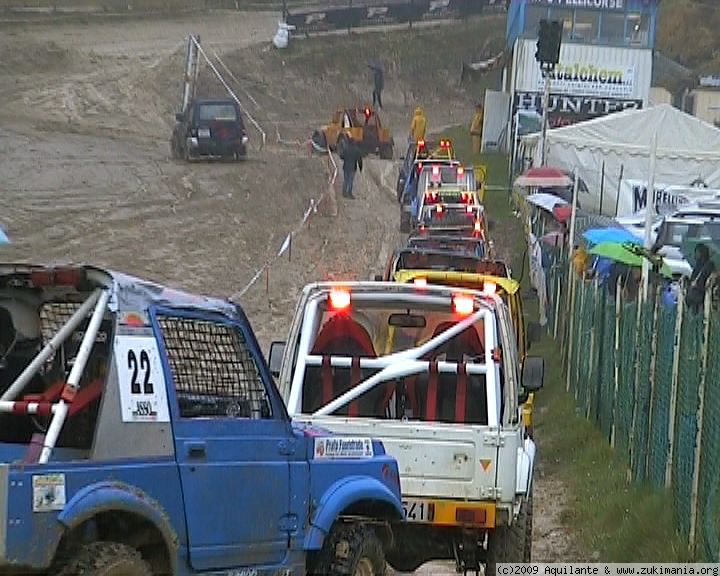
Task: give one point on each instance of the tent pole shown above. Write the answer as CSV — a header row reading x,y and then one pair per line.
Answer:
x,y
602,187
617,197
649,210
571,243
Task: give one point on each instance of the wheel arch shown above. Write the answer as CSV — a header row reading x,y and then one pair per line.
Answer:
x,y
120,513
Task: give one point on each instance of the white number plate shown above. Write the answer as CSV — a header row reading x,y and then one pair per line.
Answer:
x,y
204,133
418,510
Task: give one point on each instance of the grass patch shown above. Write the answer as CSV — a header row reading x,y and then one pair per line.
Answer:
x,y
610,520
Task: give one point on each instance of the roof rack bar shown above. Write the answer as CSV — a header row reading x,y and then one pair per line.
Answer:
x,y
60,413
346,362
51,347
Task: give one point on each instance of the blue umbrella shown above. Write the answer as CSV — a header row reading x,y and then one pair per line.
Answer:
x,y
3,237
614,235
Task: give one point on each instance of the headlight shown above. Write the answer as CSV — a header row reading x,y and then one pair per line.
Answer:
x,y
245,139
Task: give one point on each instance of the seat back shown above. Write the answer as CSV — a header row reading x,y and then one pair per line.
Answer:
x,y
341,335
457,397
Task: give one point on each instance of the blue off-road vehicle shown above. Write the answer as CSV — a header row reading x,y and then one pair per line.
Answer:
x,y
141,434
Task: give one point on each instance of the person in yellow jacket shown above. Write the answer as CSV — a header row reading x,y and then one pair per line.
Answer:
x,y
476,128
418,125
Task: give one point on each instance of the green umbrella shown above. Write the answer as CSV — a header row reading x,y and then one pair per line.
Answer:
x,y
689,245
630,254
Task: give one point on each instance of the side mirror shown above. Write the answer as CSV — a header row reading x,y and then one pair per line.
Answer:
x,y
534,333
378,278
179,116
533,373
277,351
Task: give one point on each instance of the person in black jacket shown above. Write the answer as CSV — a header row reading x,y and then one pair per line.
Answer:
x,y
378,83
704,267
352,161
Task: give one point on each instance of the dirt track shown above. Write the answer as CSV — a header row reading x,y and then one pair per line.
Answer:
x,y
85,174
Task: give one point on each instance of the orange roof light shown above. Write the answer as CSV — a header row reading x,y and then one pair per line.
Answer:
x,y
421,143
463,305
339,299
420,282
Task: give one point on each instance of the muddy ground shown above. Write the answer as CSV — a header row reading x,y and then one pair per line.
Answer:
x,y
86,112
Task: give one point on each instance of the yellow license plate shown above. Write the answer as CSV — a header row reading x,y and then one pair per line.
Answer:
x,y
449,512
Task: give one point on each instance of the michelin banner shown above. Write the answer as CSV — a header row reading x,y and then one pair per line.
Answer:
x,y
667,197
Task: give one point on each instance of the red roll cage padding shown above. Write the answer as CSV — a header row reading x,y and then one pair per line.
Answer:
x,y
82,398
337,331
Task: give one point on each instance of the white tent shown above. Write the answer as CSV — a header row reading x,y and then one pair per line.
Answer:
x,y
688,153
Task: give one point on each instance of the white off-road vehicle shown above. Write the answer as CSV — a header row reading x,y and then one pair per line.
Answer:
x,y
434,372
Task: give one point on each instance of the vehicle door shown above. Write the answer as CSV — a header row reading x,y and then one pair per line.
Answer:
x,y
231,441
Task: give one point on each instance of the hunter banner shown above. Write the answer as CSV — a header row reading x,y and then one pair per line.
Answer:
x,y
566,109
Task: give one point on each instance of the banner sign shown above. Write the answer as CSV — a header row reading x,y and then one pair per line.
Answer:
x,y
667,197
566,109
584,78
608,5
389,12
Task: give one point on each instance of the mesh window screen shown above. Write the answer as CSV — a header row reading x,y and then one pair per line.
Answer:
x,y
214,374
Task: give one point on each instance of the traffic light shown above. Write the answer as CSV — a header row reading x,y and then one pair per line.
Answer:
x,y
548,44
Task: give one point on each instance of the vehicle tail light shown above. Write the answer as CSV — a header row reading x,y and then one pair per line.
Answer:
x,y
436,170
463,305
439,208
421,143
420,282
57,277
339,299
367,112
472,516
478,226
469,209
460,171
420,167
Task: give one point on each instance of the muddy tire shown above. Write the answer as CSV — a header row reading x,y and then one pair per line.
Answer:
x,y
106,559
386,152
350,550
508,543
319,139
404,221
404,563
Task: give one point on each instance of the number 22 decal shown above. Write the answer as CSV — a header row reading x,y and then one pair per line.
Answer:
x,y
142,366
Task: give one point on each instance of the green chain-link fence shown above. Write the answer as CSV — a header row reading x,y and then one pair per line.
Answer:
x,y
708,525
650,401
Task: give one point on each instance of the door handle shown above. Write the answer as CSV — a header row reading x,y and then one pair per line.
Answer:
x,y
196,449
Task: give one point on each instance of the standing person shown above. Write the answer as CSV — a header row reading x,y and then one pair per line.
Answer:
x,y
378,83
418,125
352,161
702,270
476,128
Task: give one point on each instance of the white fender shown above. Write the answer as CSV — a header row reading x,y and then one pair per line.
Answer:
x,y
525,465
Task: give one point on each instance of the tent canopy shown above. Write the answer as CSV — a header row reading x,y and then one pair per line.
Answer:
x,y
688,150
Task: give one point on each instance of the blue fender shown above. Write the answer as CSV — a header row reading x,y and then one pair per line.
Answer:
x,y
117,496
341,495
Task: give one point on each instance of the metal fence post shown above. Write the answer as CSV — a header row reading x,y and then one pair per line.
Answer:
x,y
581,328
569,333
698,432
618,308
589,392
653,365
636,391
674,385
